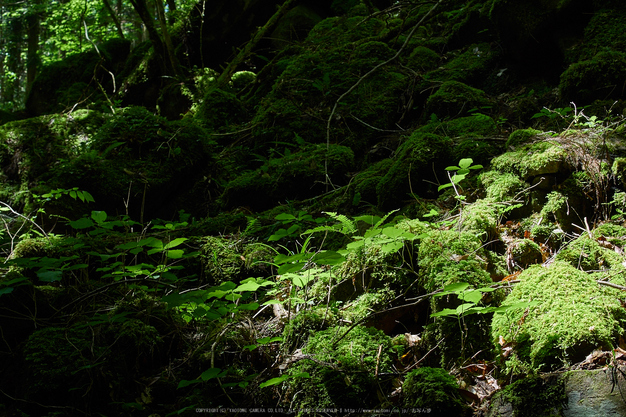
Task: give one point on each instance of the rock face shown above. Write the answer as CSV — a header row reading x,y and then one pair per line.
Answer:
x,y
595,393
588,393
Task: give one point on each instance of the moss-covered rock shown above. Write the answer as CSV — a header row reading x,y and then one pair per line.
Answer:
x,y
61,85
423,59
454,99
435,390
531,396
342,373
596,254
597,78
573,316
142,156
414,160
501,187
299,175
521,137
532,160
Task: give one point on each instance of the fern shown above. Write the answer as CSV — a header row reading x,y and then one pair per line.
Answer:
x,y
345,225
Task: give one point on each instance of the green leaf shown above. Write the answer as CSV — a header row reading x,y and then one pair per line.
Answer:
x,y
285,217
248,286
464,307
81,223
175,254
465,163
211,373
392,232
471,296
392,247
274,381
444,186
444,312
50,276
328,257
249,306
174,243
300,280
265,340
99,216
6,290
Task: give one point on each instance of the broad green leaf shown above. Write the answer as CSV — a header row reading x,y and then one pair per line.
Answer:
x,y
184,383
303,279
392,232
265,340
471,296
274,381
175,254
249,306
465,163
270,302
81,223
287,268
454,288
174,243
248,286
50,276
285,216
328,257
6,290
99,216
444,186
452,168
464,307
444,312
392,247
211,373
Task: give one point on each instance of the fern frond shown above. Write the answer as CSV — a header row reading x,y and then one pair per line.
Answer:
x,y
345,225
348,226
384,219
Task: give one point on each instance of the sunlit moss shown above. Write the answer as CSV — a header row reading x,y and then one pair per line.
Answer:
x,y
574,315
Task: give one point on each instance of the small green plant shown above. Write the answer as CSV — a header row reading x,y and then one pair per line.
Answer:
x,y
464,168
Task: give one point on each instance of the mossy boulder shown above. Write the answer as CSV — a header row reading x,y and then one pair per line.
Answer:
x,y
413,168
434,390
140,155
31,147
328,64
600,77
533,160
343,372
453,99
471,65
294,26
298,176
531,396
220,110
500,186
61,85
423,59
448,257
365,183
602,33
521,137
597,254
573,315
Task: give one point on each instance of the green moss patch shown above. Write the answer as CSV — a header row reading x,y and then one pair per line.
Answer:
x,y
574,315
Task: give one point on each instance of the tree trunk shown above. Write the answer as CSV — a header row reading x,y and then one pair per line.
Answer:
x,y
116,21
169,47
32,59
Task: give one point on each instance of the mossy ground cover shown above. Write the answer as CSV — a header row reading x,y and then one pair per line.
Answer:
x,y
232,302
